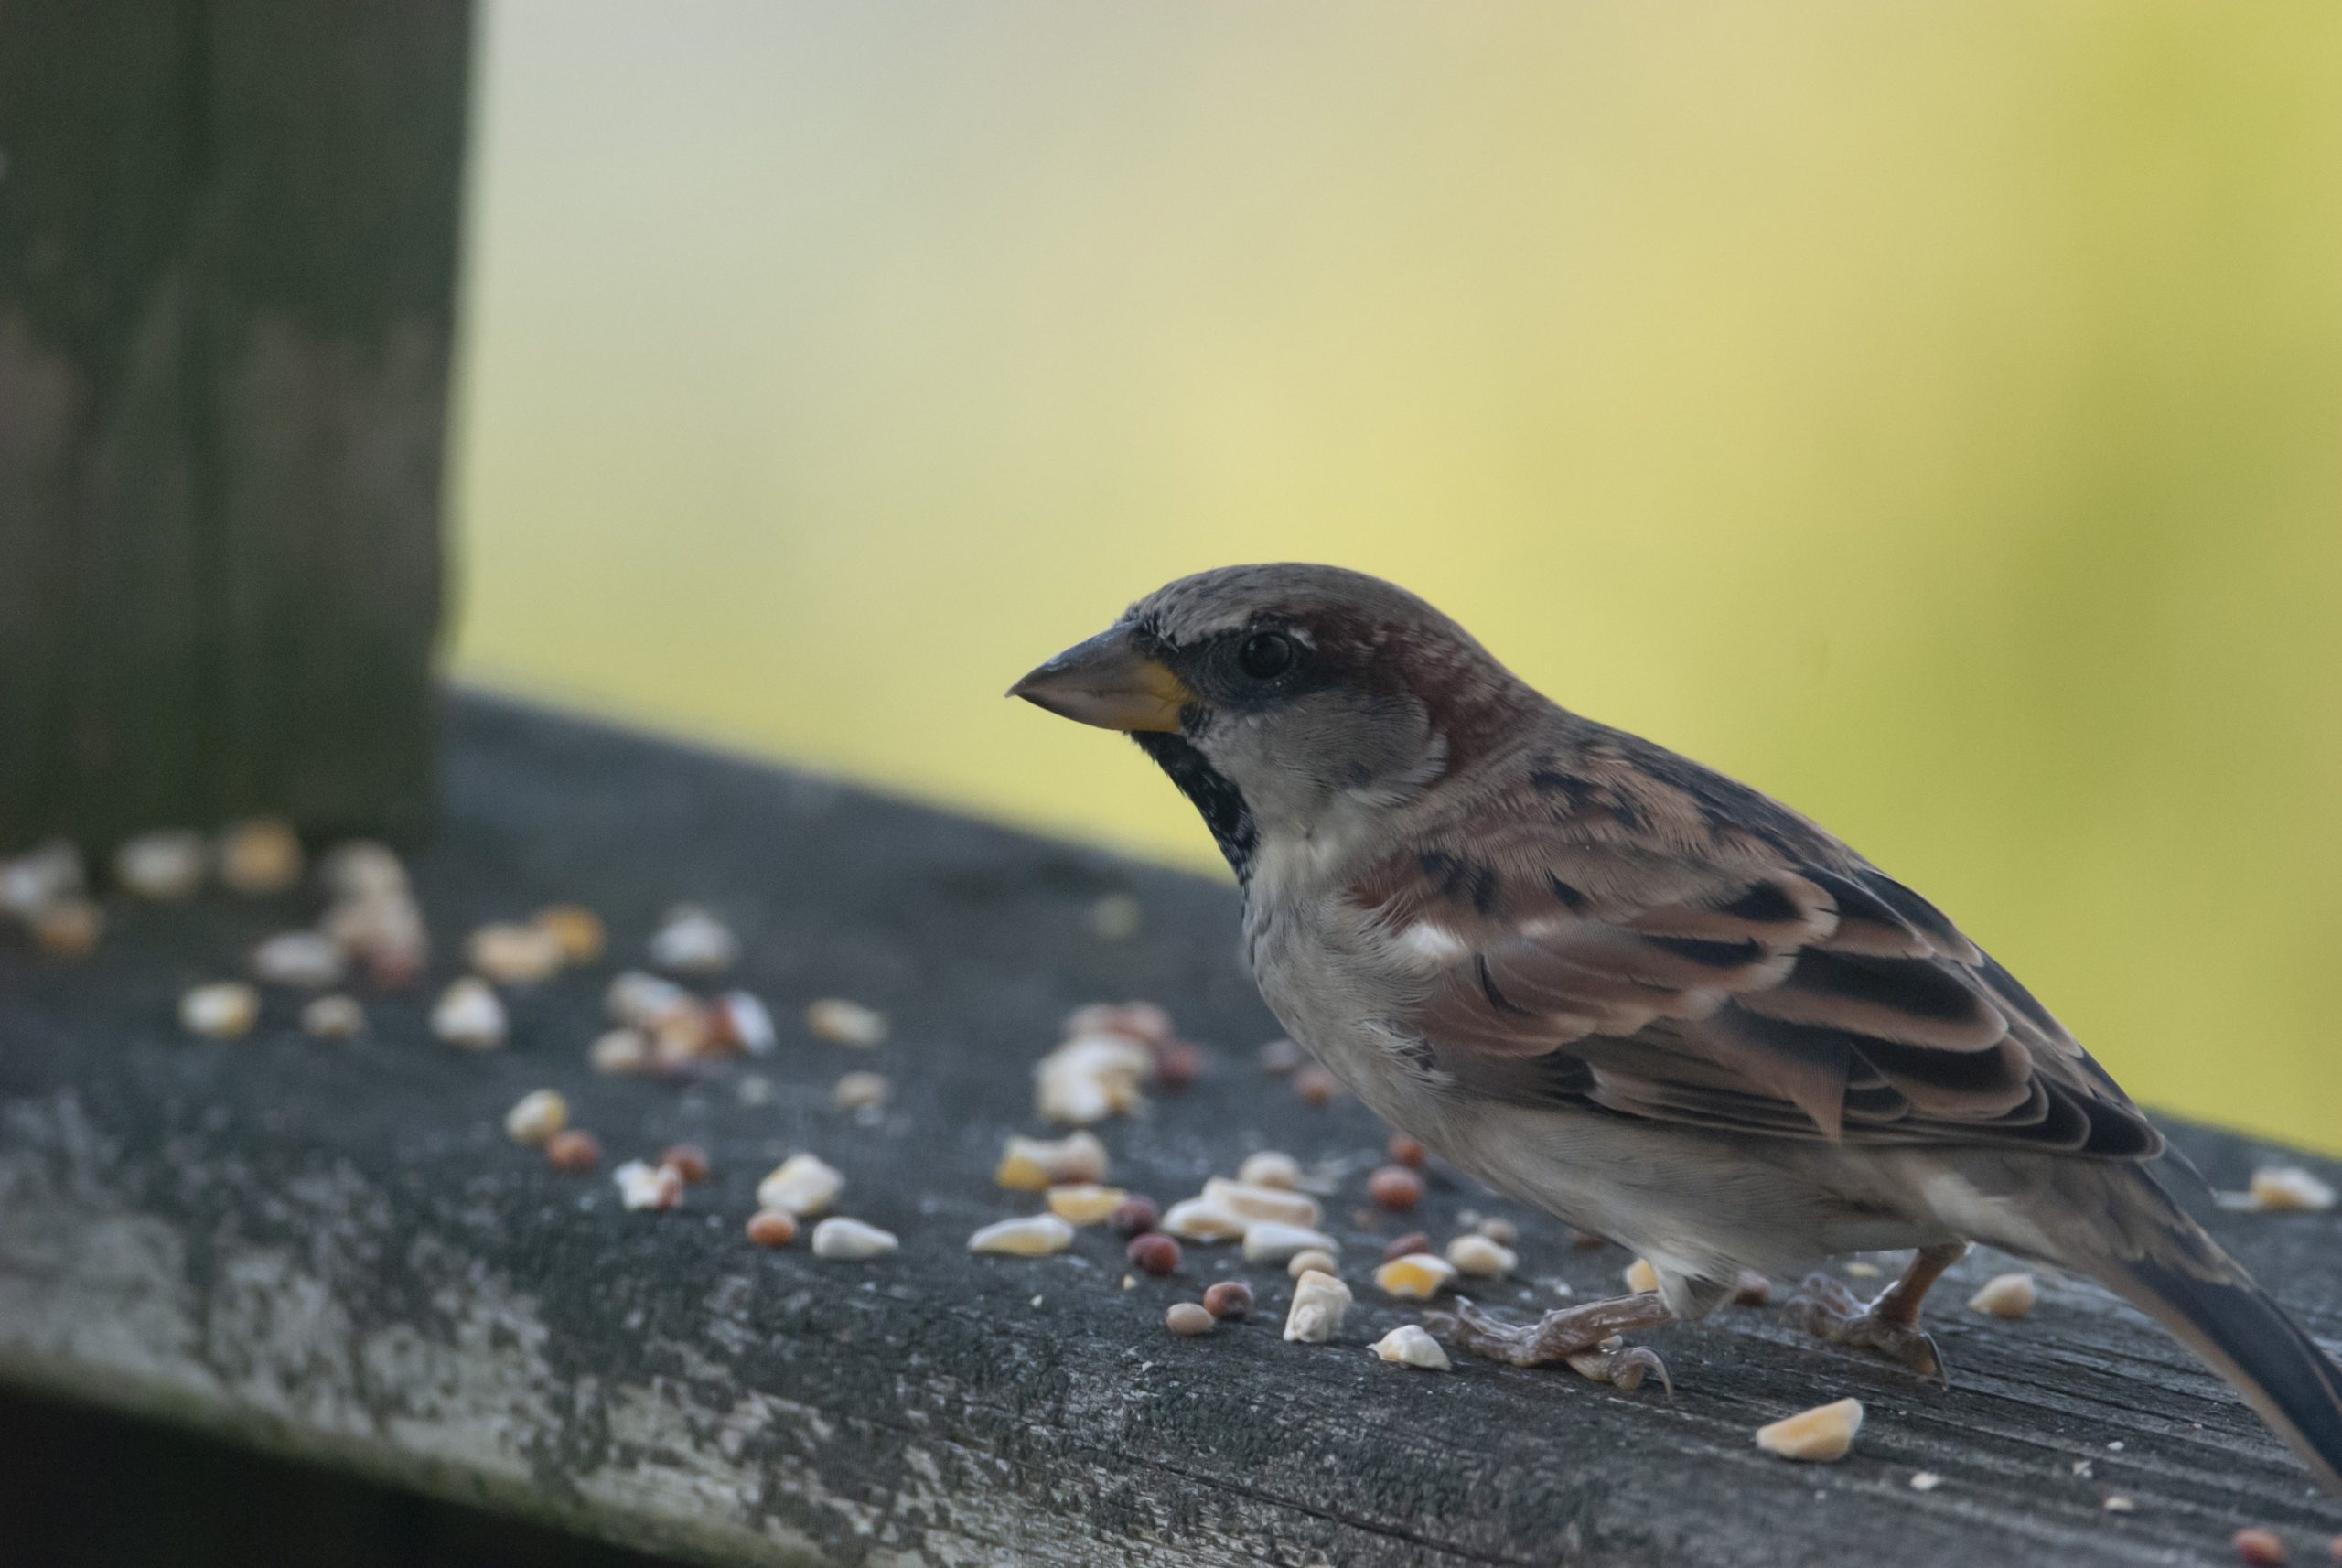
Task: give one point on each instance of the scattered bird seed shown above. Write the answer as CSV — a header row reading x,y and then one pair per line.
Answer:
x,y
361,868
1136,1214
1816,1435
1410,1345
1405,1151
1406,1245
41,876
1252,1202
1395,1187
2005,1295
574,1152
260,856
1186,1319
620,1053
68,926
1115,918
843,1023
1418,1276
1314,1260
1315,1086
2263,1548
223,1010
510,954
645,1001
1500,1231
1862,1271
691,940
535,1117
469,1014
575,931
863,1090
1194,1219
335,1017
1230,1299
772,1228
2117,1503
1153,1253
688,1161
309,959
642,1186
1319,1300
1282,1057
1084,1203
804,1185
1178,1065
161,865
851,1241
1271,1242
1925,1480
1141,1021
739,1021
1092,1077
1034,1164
1270,1168
385,931
1479,1256
1027,1236
2288,1189
1641,1278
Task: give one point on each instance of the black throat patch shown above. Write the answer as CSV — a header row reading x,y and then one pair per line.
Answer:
x,y
1223,805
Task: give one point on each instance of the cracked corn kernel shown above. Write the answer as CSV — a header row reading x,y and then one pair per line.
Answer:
x,y
1311,1260
1251,1202
691,940
1082,1203
620,1052
335,1017
1319,1300
361,868
1641,1278
645,1002
1194,1219
513,954
1818,1435
1502,1231
1410,1345
1034,1164
1267,1241
43,875
223,1010
772,1228
469,1014
535,1117
2288,1189
642,1186
1269,1167
1479,1255
843,1023
1186,1319
576,932
574,1152
851,1241
1419,1276
804,1185
1027,1236
2005,1295
262,855
161,865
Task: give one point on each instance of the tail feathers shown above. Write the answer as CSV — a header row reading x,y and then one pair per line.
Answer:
x,y
2227,1320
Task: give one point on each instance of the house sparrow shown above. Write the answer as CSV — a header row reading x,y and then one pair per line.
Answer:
x,y
1610,983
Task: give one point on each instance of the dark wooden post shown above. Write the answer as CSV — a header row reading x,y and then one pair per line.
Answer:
x,y
228,240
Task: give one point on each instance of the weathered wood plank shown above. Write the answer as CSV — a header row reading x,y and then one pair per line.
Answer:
x,y
332,1251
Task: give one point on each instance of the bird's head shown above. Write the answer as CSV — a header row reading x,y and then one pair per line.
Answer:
x,y
1284,700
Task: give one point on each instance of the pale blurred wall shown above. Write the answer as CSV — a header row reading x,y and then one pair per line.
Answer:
x,y
1927,412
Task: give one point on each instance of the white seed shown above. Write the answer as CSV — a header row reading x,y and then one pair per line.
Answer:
x,y
1268,1241
510,954
1410,1345
1311,1261
1925,1480
1502,1231
1270,1168
1818,1435
1641,1278
1418,1276
843,1023
163,865
692,942
642,1186
645,1001
620,1053
852,1240
1032,1164
43,875
2005,1295
262,855
1318,1301
1115,918
1188,1319
469,1014
861,1090
1194,1219
1092,1077
2117,1503
1085,1203
310,960
535,1117
361,868
741,1020
223,1010
2288,1189
804,1185
1027,1236
383,931
1262,1202
333,1018
1479,1255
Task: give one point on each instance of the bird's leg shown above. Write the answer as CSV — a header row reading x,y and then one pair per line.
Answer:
x,y
1890,1324
1585,1337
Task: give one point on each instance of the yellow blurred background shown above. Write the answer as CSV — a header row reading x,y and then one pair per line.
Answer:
x,y
1927,412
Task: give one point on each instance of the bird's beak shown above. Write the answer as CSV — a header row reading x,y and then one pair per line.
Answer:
x,y
1107,682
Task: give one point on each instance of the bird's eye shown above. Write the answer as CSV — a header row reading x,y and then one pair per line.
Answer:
x,y
1265,655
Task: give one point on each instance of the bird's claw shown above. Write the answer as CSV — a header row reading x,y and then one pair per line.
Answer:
x,y
1586,1337
1622,1366
1826,1309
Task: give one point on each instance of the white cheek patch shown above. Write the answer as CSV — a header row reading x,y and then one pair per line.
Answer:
x,y
1433,944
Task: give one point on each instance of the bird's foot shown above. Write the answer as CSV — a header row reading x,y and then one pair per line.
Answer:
x,y
1825,1308
1585,1337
